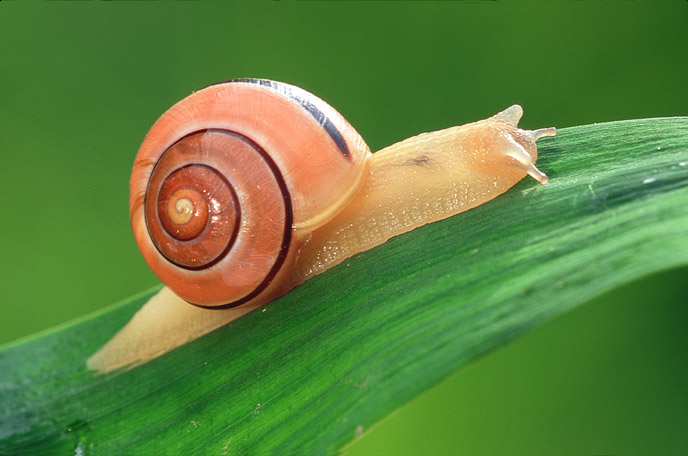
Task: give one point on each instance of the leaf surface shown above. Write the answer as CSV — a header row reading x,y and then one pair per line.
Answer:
x,y
311,370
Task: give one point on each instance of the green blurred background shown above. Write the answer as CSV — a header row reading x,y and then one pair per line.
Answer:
x,y
80,84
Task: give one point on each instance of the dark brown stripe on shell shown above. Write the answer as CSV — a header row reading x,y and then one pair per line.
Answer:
x,y
313,110
288,222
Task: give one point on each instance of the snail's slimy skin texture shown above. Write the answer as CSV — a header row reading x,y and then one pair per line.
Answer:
x,y
420,180
423,179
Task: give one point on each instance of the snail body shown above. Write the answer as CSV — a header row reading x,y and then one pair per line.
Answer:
x,y
247,188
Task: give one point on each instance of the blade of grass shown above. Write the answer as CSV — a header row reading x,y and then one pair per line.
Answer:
x,y
337,354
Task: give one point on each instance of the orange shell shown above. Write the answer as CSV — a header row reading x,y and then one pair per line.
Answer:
x,y
292,162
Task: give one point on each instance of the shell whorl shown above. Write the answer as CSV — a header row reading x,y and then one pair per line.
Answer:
x,y
228,178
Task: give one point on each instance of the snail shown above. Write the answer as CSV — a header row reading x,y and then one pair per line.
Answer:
x,y
247,188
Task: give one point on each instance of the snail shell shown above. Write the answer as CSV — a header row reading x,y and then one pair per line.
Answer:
x,y
227,181
247,188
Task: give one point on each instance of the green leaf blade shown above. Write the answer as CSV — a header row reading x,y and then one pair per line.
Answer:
x,y
340,352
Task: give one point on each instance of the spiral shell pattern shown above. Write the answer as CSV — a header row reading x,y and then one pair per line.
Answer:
x,y
227,177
